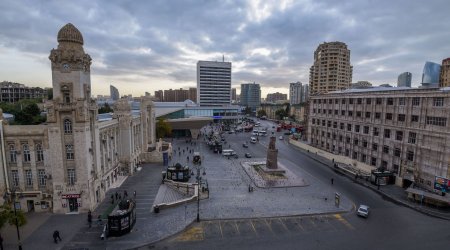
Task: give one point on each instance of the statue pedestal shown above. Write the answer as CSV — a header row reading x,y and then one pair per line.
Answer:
x,y
272,154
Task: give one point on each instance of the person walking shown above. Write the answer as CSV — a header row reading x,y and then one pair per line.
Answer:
x,y
332,181
117,195
134,194
112,199
90,219
56,236
125,194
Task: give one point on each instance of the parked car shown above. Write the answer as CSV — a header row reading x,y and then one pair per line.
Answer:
x,y
245,145
281,137
287,133
248,155
363,211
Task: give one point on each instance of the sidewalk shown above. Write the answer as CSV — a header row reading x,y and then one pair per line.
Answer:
x,y
392,192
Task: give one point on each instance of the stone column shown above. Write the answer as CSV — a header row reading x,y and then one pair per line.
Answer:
x,y
272,154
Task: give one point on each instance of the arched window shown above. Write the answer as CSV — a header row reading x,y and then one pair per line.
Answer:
x,y
39,153
69,152
26,153
12,154
67,126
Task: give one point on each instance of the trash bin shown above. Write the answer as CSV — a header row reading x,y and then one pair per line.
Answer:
x,y
156,209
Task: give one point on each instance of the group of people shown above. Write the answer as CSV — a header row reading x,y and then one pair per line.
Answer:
x,y
119,196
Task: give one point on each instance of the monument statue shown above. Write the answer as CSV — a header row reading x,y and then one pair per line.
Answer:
x,y
272,154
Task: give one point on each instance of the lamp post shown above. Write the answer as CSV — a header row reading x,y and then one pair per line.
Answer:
x,y
13,198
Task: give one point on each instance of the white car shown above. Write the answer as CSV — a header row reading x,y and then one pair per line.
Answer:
x,y
281,137
363,211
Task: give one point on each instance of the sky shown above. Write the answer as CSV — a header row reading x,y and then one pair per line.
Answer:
x,y
143,46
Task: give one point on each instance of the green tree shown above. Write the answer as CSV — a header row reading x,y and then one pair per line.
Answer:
x,y
163,129
280,113
261,113
105,109
248,111
7,216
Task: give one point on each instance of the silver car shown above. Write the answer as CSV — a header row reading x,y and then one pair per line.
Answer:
x,y
363,211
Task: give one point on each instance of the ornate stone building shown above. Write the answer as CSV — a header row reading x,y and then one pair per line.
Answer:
x,y
68,164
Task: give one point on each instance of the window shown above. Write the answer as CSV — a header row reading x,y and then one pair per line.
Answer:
x,y
329,111
314,111
359,101
363,157
347,152
414,118
350,113
438,101
387,133
395,167
323,123
374,147
334,124
399,135
343,101
349,127
66,97
438,121
366,130
416,101
401,117
329,124
355,155
350,101
401,101
342,112
388,116
368,101
42,178
357,128
39,153
377,115
347,139
358,113
15,178
340,138
410,155
390,101
12,154
28,178
386,149
376,131
397,152
313,121
26,153
341,125
355,142
336,101
67,126
379,101
71,176
373,161
364,143
69,152
367,114
412,137
330,101
336,112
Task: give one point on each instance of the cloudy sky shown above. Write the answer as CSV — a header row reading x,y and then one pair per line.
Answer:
x,y
143,46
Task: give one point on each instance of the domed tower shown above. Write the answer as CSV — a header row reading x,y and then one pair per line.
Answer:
x,y
71,118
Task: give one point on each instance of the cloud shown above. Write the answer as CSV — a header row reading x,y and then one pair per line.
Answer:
x,y
153,45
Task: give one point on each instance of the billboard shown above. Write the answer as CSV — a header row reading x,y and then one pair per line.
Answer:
x,y
441,184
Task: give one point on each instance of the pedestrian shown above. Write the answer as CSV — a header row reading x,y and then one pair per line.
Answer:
x,y
120,197
117,195
56,236
90,219
332,181
134,194
99,220
125,194
112,199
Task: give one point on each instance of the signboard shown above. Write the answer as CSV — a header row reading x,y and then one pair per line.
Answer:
x,y
68,196
441,184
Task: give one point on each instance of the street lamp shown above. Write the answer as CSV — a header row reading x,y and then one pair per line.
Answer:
x,y
13,197
199,167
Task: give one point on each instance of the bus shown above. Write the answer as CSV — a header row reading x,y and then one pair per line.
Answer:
x,y
228,152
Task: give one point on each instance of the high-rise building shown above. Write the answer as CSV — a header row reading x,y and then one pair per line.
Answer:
x,y
176,95
331,69
114,93
251,95
431,74
444,80
274,97
159,95
298,92
233,95
213,83
193,94
404,80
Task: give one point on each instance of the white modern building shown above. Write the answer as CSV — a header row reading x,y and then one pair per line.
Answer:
x,y
213,83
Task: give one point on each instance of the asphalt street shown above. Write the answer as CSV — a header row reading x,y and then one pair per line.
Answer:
x,y
389,226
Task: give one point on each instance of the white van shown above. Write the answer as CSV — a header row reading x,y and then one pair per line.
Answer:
x,y
228,152
253,140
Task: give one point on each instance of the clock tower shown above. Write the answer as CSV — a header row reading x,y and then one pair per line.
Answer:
x,y
71,118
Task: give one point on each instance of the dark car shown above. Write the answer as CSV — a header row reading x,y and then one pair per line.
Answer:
x,y
248,155
245,145
287,133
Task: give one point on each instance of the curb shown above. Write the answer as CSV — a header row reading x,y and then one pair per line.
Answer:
x,y
389,197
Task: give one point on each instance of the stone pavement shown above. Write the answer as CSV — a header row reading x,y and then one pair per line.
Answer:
x,y
392,192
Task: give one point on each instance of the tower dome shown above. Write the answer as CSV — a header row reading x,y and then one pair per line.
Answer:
x,y
70,33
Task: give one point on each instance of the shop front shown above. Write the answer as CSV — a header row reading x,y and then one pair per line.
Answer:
x,y
72,202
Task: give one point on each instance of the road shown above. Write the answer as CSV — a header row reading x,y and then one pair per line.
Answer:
x,y
389,226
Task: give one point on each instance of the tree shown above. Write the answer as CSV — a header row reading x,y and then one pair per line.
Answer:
x,y
163,129
280,113
248,110
50,94
7,216
261,113
105,109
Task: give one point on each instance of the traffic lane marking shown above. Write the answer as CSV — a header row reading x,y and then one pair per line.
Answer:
x,y
343,221
262,227
212,230
195,233
229,229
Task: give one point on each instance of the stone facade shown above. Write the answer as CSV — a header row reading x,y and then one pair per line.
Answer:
x,y
68,165
400,129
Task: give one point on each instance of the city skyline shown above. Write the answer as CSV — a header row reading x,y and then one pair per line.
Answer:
x,y
270,43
